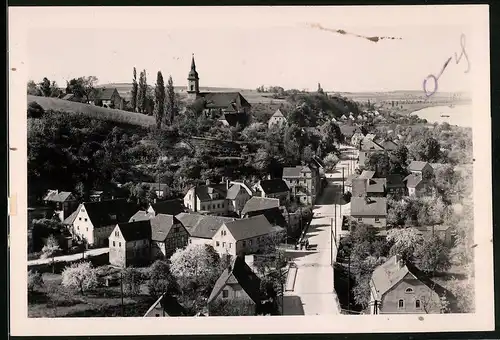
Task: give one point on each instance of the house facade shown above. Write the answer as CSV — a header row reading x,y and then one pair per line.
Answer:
x,y
396,186
167,235
94,221
237,196
399,288
370,210
277,120
64,203
243,236
129,244
202,228
302,183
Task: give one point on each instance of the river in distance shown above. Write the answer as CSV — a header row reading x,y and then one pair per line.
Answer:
x,y
460,115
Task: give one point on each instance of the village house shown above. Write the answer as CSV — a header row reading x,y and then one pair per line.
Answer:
x,y
231,108
166,306
244,236
396,186
274,188
389,145
202,228
401,288
63,202
370,210
268,207
303,183
217,199
238,281
129,244
94,221
277,119
421,169
348,131
160,189
108,97
372,187
367,148
167,235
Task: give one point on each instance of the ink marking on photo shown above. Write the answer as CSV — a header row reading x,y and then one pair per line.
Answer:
x,y
374,39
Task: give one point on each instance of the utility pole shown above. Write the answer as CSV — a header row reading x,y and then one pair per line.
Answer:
x,y
349,283
331,239
342,180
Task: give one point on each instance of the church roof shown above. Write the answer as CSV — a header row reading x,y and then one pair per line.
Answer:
x,y
193,74
224,100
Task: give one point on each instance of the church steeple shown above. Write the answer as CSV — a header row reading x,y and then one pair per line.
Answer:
x,y
193,80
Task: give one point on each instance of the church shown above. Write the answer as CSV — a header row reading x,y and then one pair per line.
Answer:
x,y
230,108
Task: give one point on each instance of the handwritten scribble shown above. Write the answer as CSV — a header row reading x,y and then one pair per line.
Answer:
x,y
429,92
343,32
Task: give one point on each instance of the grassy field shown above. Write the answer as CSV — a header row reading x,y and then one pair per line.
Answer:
x,y
119,116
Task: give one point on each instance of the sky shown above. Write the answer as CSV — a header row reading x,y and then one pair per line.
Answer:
x,y
248,47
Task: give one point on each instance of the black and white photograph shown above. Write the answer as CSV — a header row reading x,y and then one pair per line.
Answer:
x,y
194,164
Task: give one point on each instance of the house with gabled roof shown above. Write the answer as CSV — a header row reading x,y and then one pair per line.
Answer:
x,y
370,210
277,119
396,185
422,169
167,235
397,287
237,282
270,208
94,221
202,228
107,97
274,188
367,148
167,306
244,236
169,207
372,187
63,202
141,215
303,183
237,196
129,244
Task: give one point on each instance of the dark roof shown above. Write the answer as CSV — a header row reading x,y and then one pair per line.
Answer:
x,y
368,206
390,273
133,231
225,100
170,207
249,227
169,305
231,119
361,186
417,165
389,145
273,186
203,191
202,226
260,203
369,145
105,93
395,181
140,216
161,225
278,113
239,272
273,215
376,185
61,196
295,171
412,180
109,212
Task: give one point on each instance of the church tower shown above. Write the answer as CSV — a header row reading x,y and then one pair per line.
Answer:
x,y
193,82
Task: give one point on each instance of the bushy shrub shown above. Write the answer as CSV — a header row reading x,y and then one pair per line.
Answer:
x,y
35,110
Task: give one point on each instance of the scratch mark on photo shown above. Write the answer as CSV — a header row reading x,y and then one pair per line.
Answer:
x,y
374,39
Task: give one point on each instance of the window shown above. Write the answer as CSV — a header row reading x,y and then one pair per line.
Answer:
x,y
377,220
244,243
79,218
230,245
83,210
192,87
119,244
250,242
222,232
113,217
401,303
117,233
176,229
218,205
223,244
190,241
417,303
217,243
114,244
87,228
409,290
202,207
213,206
85,219
225,293
157,314
360,219
77,227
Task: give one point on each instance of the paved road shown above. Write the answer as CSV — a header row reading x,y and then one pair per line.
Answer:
x,y
314,292
68,258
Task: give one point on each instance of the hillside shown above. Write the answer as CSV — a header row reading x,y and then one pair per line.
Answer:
x,y
114,115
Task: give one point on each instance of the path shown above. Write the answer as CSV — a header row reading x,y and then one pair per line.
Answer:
x,y
69,258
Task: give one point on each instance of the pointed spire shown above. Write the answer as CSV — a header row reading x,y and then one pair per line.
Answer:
x,y
193,65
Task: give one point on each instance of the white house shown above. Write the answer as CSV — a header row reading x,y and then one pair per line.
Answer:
x,y
277,119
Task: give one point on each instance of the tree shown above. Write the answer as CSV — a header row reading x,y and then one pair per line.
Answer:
x,y
307,154
330,135
195,267
432,255
171,108
427,150
161,280
34,280
51,249
398,161
232,307
33,89
83,87
35,110
45,87
159,103
378,162
134,92
132,280
142,92
55,92
262,160
405,241
81,276
331,160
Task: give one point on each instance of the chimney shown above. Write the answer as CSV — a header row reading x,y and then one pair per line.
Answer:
x,y
368,200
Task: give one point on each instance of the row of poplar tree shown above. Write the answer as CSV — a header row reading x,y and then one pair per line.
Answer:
x,y
165,105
